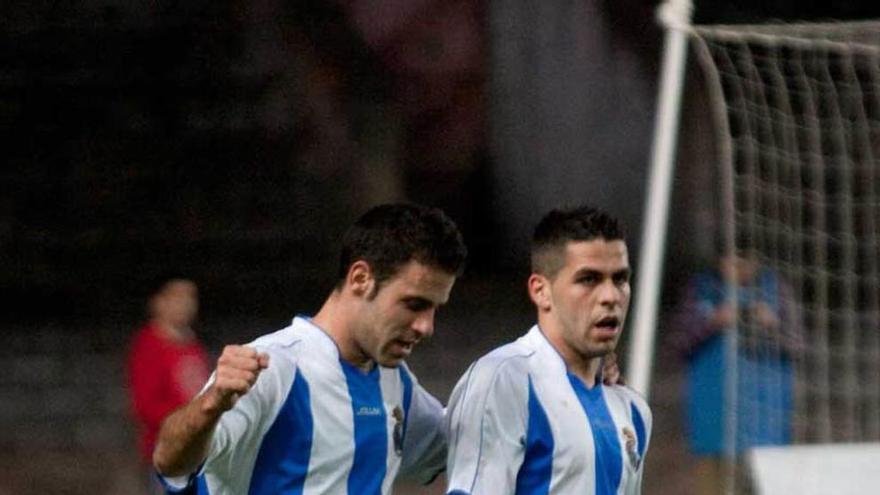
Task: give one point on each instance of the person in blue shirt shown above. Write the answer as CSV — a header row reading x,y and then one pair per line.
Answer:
x,y
533,416
741,294
327,405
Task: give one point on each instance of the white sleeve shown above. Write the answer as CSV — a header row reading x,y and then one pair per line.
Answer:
x,y
487,422
424,445
237,435
240,430
237,427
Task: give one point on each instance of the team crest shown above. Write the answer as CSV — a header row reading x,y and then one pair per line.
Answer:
x,y
397,434
631,445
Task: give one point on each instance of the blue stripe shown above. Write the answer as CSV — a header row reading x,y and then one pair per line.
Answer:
x,y
609,463
534,475
202,486
407,400
283,460
370,431
639,425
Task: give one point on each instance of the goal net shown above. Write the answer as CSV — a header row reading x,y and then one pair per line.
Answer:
x,y
796,110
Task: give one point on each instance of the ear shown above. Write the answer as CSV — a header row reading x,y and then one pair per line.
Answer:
x,y
539,291
360,278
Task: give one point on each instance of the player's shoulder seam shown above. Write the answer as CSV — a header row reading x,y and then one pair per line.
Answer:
x,y
506,360
504,356
279,339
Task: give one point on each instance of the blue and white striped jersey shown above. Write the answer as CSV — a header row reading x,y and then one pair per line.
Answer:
x,y
520,423
314,424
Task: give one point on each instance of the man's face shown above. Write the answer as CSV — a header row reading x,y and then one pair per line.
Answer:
x,y
401,312
589,298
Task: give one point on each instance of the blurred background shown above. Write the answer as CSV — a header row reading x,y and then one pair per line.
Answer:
x,y
235,141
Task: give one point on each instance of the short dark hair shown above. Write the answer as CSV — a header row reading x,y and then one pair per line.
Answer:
x,y
389,236
561,226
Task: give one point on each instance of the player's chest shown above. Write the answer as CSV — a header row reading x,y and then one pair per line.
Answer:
x,y
582,429
360,412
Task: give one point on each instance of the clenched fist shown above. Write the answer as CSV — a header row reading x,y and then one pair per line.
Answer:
x,y
237,371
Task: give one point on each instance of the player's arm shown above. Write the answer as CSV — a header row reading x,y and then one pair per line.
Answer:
x,y
424,437
487,419
185,436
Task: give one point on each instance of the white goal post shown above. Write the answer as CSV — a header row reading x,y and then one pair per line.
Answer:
x,y
676,16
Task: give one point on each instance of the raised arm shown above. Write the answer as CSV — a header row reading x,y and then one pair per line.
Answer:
x,y
185,436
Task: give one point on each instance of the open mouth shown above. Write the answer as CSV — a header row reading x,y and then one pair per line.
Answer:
x,y
406,345
609,323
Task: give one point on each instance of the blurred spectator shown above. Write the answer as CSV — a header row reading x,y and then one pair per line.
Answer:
x,y
769,334
167,365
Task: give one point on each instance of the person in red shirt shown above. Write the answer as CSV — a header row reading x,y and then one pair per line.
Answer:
x,y
167,364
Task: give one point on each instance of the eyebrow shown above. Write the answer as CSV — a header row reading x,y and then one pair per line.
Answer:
x,y
623,271
420,300
593,271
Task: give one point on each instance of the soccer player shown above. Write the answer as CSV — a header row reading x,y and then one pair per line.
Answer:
x,y
327,404
533,416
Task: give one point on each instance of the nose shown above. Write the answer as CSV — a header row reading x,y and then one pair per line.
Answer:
x,y
423,325
610,294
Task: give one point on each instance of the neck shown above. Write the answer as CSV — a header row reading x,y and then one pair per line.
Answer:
x,y
587,372
585,368
338,324
174,332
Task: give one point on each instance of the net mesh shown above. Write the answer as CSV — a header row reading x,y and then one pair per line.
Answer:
x,y
797,108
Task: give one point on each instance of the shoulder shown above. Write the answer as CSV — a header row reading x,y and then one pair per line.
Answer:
x,y
635,400
512,357
281,342
506,366
285,337
495,386
284,350
145,340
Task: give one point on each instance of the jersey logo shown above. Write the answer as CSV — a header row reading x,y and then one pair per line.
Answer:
x,y
631,451
397,414
369,411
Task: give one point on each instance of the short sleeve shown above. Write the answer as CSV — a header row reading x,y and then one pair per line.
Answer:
x,y
487,425
241,428
424,447
237,435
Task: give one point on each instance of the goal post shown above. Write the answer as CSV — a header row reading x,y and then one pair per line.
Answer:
x,y
676,15
795,112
